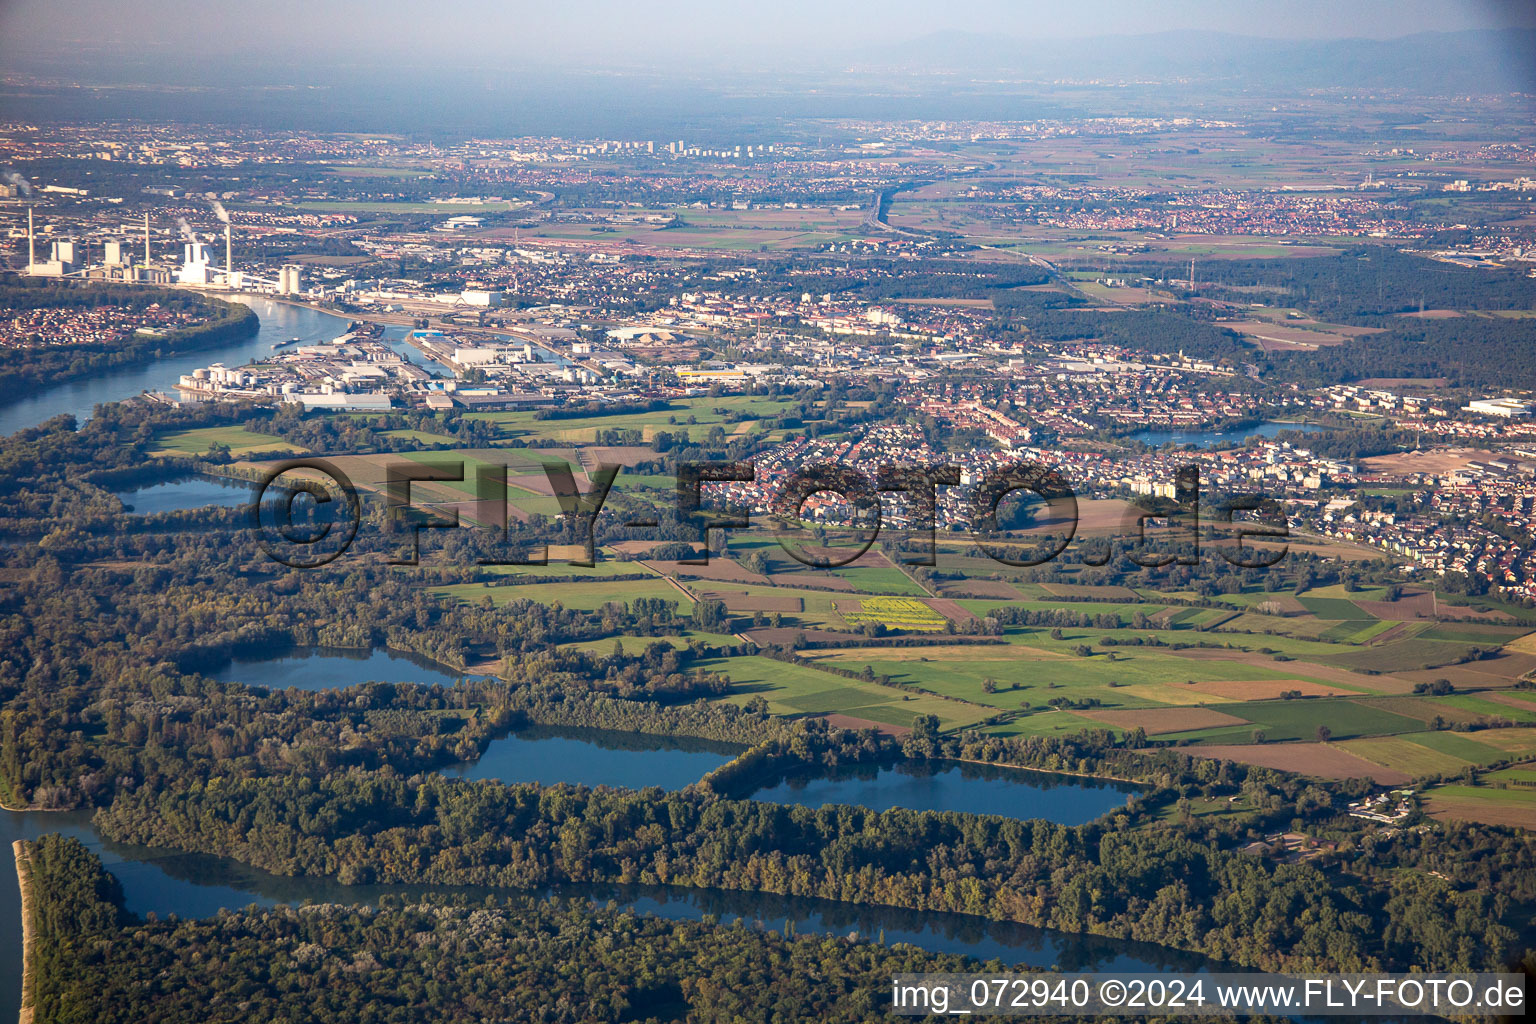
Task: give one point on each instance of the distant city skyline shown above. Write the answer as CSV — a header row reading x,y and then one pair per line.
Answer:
x,y
606,30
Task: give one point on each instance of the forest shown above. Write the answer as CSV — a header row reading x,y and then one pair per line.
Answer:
x,y
1367,284
952,279
1156,886
1376,287
1468,351
1142,330
451,957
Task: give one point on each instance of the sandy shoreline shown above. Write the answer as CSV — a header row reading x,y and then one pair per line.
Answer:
x,y
23,880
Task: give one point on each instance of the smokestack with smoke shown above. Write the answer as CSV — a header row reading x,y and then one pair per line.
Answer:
x,y
218,209
12,178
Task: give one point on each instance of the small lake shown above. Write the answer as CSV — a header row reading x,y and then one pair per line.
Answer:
x,y
166,882
181,495
1207,438
596,757
953,786
604,757
332,668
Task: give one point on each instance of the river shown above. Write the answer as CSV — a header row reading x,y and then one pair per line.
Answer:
x,y
165,882
280,322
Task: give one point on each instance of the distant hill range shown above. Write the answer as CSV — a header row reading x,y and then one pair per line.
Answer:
x,y
1430,62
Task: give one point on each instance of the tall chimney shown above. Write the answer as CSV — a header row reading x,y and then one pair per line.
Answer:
x,y
31,244
146,239
229,255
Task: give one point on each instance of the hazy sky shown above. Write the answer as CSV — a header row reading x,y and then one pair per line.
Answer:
x,y
637,31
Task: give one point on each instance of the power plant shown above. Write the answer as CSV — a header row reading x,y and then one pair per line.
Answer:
x,y
194,265
197,268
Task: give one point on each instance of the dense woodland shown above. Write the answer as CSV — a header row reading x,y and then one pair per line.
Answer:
x,y
444,957
1144,330
1156,886
1469,351
1374,287
1364,284
952,279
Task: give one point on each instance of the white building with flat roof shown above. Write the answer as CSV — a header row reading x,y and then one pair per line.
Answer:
x,y
1505,408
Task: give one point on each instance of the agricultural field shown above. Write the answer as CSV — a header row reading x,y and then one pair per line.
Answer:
x,y
1406,755
728,230
1284,720
1215,676
695,417
896,613
559,566
1430,753
1481,707
879,580
1486,804
800,608
587,596
528,489
798,690
1519,775
1322,760
633,645
238,440
1033,666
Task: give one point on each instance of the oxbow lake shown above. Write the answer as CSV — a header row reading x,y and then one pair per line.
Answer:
x,y
166,882
601,757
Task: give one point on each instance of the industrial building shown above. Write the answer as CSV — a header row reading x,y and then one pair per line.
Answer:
x,y
1505,408
198,266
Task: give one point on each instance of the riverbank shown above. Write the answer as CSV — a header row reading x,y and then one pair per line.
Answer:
x,y
22,369
28,938
1048,771
7,804
79,396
